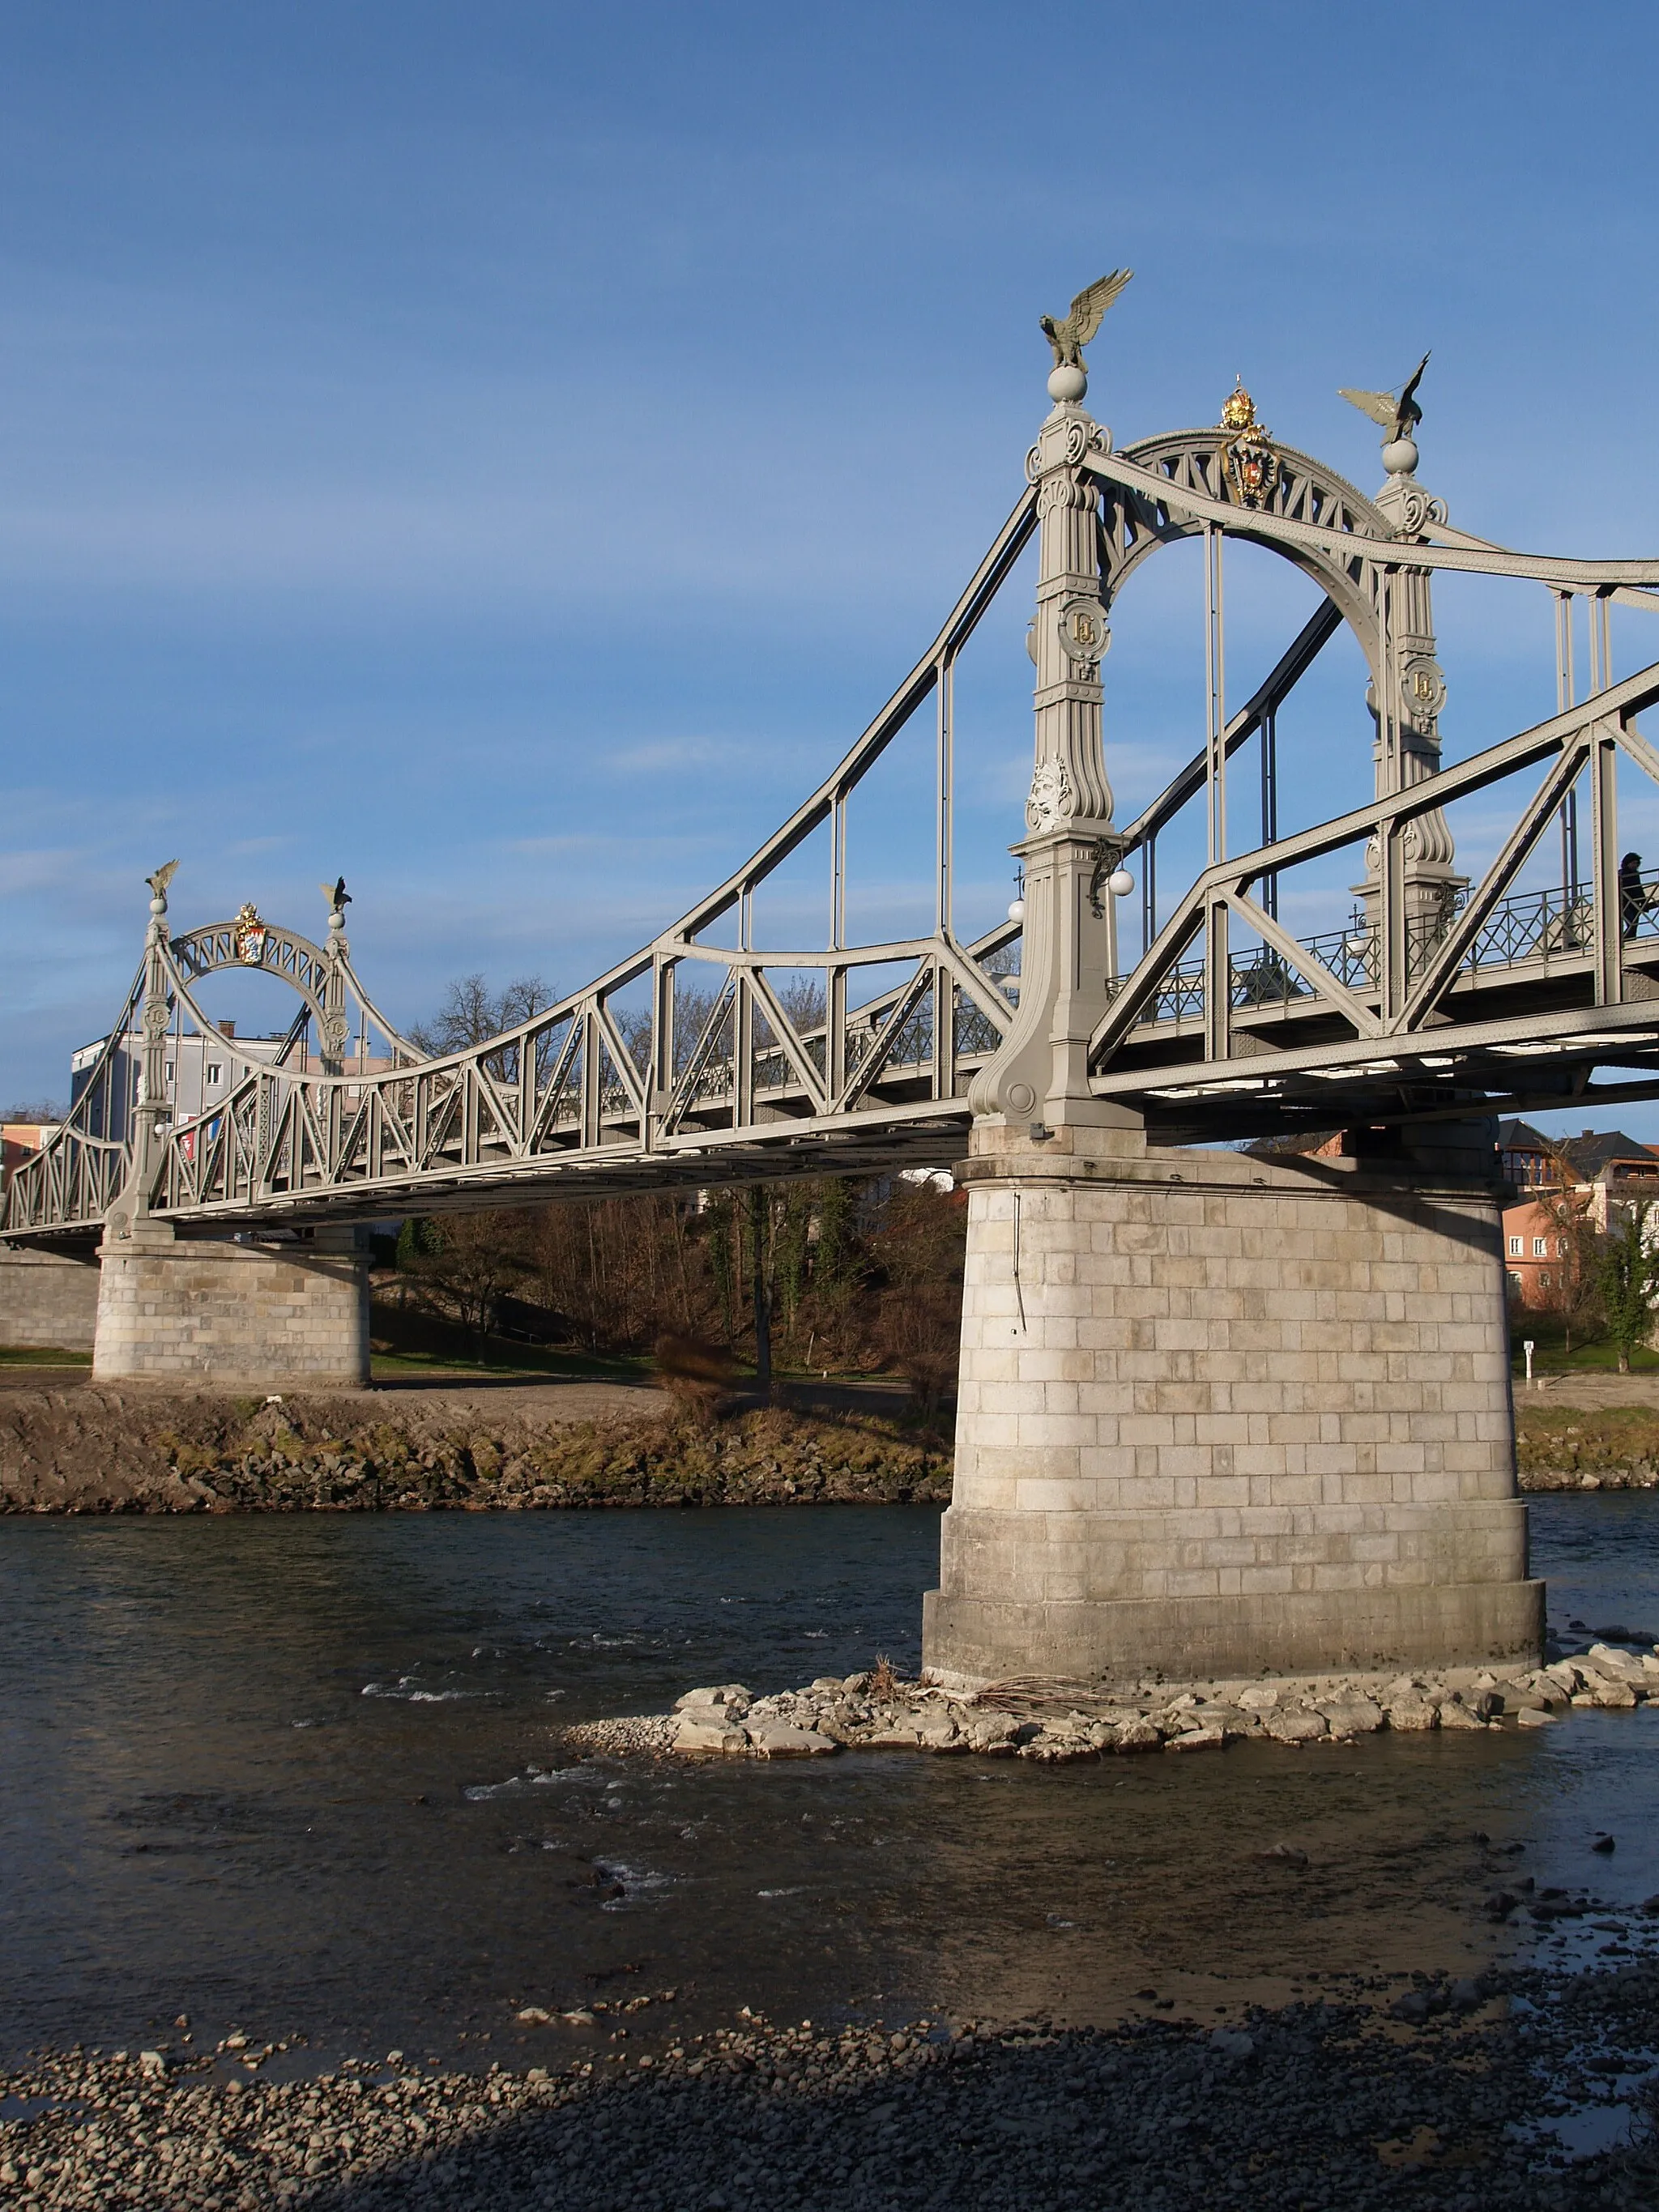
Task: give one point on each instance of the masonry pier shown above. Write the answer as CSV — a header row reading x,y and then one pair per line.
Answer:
x,y
228,1316
1221,1414
48,1300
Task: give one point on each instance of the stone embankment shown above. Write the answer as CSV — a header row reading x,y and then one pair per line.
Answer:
x,y
1583,1447
1056,1722
93,1450
1443,2094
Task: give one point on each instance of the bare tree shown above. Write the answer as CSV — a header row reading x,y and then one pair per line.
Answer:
x,y
468,1260
1572,1283
472,1013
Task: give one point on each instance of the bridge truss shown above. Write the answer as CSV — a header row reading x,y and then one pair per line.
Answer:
x,y
699,1063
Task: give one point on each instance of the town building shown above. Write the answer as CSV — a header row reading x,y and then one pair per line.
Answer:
x,y
19,1141
200,1074
1606,1173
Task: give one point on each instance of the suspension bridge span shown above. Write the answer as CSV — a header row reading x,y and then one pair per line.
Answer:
x,y
1219,1409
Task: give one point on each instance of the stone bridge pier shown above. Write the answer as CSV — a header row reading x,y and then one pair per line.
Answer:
x,y
203,1314
1217,1413
1221,1414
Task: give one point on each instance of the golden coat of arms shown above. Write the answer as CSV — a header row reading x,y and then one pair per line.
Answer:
x,y
247,934
1248,462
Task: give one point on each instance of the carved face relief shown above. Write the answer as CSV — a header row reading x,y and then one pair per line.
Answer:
x,y
1052,799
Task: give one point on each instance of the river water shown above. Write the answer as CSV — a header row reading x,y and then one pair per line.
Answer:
x,y
302,1776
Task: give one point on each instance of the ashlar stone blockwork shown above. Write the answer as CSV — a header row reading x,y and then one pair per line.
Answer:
x,y
1221,1414
229,1316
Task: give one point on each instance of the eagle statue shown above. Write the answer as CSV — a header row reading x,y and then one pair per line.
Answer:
x,y
1068,338
1398,417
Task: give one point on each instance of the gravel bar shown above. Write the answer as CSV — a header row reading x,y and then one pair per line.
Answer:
x,y
1057,1721
1457,2096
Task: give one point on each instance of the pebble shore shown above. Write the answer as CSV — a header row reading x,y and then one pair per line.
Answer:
x,y
1520,2091
1057,1721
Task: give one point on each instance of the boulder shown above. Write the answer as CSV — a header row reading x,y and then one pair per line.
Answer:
x,y
1230,1719
1198,1739
1259,1698
1052,1746
1348,1717
1607,1659
1535,1716
780,1739
1296,1725
1138,1734
991,1732
709,1731
727,1696
1409,1715
1454,1714
937,1731
1613,1695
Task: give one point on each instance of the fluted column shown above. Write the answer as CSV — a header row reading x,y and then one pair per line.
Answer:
x,y
131,1213
1041,1075
1406,750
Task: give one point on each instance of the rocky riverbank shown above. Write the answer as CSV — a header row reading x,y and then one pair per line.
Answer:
x,y
1057,1721
1452,2095
94,1450
1567,1447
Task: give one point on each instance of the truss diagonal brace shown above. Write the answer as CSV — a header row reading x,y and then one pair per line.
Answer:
x,y
1171,941
1448,955
783,1031
633,1080
902,1007
1296,955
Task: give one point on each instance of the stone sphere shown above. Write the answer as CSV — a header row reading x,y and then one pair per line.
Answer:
x,y
1067,382
1399,456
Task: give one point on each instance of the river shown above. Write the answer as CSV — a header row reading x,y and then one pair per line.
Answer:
x,y
300,1775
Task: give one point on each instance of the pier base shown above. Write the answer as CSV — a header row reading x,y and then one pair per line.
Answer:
x,y
232,1317
48,1300
1220,1414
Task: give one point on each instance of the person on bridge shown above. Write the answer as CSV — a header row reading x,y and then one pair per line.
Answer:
x,y
1634,898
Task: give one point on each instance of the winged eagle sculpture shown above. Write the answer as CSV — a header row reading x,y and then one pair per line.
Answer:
x,y
163,876
1398,417
1068,338
338,897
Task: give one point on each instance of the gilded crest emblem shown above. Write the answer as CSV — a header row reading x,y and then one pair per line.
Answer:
x,y
1250,464
1083,631
247,934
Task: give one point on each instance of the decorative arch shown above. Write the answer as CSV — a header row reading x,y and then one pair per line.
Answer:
x,y
283,953
1133,525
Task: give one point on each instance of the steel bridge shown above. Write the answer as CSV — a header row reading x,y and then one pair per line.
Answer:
x,y
699,1062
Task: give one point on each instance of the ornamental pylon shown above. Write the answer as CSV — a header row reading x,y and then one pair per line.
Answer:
x,y
1041,1075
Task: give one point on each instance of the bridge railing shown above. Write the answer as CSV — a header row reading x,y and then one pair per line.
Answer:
x,y
1534,927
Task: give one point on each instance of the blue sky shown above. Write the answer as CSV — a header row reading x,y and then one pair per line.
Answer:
x,y
507,451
